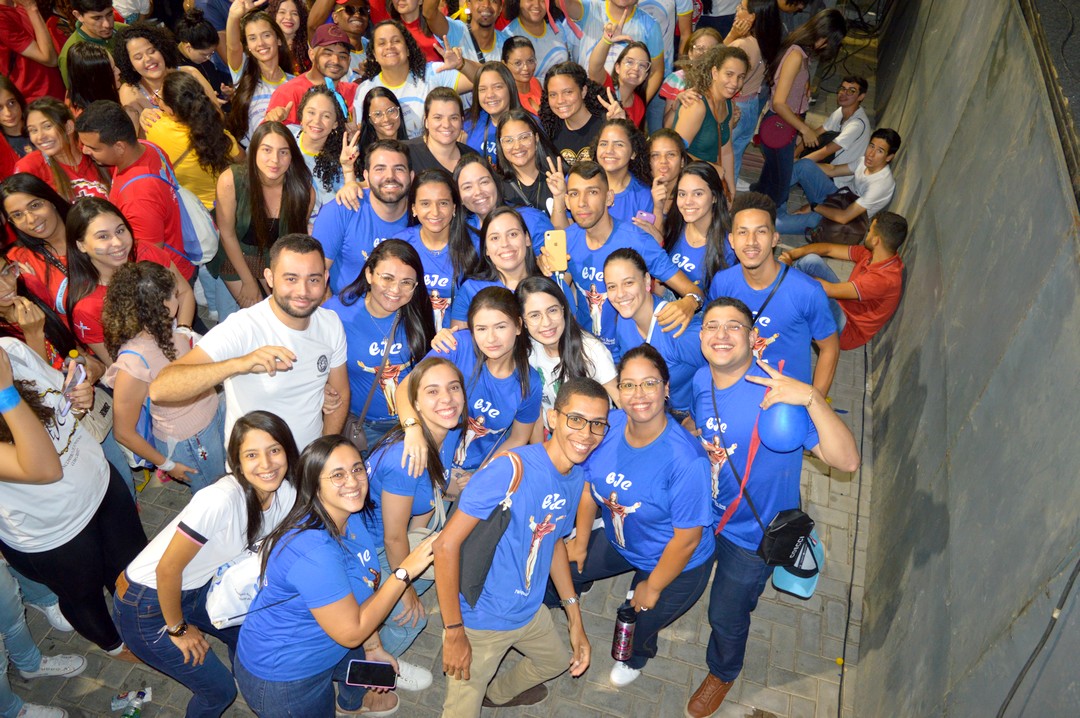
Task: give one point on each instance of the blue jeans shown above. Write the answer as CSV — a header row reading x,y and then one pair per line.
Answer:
x,y
34,593
138,617
397,639
204,452
817,186
118,460
744,131
815,266
15,641
775,180
740,578
374,429
654,113
678,597
305,697
722,23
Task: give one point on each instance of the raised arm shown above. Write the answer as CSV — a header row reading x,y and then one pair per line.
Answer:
x,y
41,50
195,372
436,21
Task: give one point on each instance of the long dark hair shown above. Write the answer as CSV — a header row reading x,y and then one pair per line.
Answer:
x,y
237,120
639,167
328,161
299,46
279,431
213,149
828,25
548,119
513,9
435,468
417,61
544,148
511,87
56,331
573,361
486,269
135,303
640,89
768,28
719,226
367,130
308,513
7,85
90,74
416,316
83,276
295,193
161,39
60,115
463,256
24,183
502,300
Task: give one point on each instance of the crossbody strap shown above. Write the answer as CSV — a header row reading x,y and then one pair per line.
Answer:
x,y
761,309
515,479
382,365
755,442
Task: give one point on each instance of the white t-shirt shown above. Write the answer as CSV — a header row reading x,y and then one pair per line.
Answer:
x,y
295,395
551,48
875,190
41,517
546,366
260,99
853,138
640,26
411,94
458,35
216,521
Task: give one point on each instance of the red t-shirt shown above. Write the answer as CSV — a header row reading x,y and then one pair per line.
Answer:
x,y
32,78
879,287
85,178
42,278
8,160
86,314
293,91
636,111
427,44
150,205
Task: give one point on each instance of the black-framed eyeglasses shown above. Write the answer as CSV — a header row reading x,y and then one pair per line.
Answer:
x,y
338,478
577,422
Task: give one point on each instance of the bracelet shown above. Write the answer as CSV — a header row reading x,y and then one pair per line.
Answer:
x,y
568,601
810,399
167,465
9,399
178,631
453,626
604,38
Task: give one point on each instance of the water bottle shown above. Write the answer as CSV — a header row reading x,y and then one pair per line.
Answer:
x,y
134,709
622,644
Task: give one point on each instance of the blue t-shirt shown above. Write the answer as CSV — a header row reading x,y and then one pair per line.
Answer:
x,y
458,35
438,274
386,475
797,313
348,236
645,493
307,570
536,222
365,338
630,201
683,354
586,266
481,136
459,310
691,260
542,512
774,478
494,404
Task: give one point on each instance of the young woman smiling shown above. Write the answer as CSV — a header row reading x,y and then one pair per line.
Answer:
x,y
380,119
321,139
494,96
629,75
667,157
572,110
292,17
100,241
523,158
482,191
443,121
695,236
37,215
259,60
529,19
519,55
621,150
58,158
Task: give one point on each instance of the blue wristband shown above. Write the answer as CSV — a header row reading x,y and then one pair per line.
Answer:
x,y
9,399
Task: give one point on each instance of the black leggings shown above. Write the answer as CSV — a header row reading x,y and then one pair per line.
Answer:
x,y
78,570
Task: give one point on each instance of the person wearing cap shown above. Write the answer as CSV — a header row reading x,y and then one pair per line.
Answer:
x,y
355,17
329,53
730,393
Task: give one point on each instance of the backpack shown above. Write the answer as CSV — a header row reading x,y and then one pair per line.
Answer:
x,y
196,225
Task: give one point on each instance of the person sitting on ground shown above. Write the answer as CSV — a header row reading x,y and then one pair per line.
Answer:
x,y
843,137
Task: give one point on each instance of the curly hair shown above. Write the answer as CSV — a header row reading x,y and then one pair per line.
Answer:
x,y
206,129
548,119
639,166
29,392
327,164
238,122
135,302
699,72
162,40
417,61
299,44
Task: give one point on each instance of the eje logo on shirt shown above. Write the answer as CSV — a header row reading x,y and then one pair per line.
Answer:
x,y
683,262
376,348
554,502
486,407
619,481
713,425
591,273
434,281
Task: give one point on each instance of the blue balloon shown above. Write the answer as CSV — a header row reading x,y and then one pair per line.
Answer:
x,y
783,427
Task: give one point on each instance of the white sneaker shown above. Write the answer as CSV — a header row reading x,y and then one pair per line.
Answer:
x,y
33,710
411,677
623,675
56,618
55,666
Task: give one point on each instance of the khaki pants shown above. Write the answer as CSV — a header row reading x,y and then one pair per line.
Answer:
x,y
545,656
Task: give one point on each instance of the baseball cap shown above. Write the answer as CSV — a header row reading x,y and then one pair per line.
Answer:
x,y
330,34
800,579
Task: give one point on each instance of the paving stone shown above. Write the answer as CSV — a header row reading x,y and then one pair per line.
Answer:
x,y
758,696
802,707
783,648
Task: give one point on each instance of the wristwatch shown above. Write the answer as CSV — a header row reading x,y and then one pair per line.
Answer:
x,y
180,630
409,423
402,575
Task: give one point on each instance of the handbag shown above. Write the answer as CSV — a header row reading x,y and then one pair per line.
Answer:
x,y
144,426
354,425
854,232
233,587
775,133
479,546
421,534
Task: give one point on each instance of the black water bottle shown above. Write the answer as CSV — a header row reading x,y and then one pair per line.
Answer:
x,y
622,644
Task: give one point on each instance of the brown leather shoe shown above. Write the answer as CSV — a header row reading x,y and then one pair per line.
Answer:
x,y
708,697
528,697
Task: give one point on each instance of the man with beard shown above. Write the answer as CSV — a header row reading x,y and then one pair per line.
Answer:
x,y
329,54
348,235
278,355
479,40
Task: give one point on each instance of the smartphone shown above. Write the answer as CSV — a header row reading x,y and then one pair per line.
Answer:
x,y
555,243
371,674
645,216
77,377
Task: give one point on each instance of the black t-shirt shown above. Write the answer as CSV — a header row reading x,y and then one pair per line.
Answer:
x,y
420,156
573,145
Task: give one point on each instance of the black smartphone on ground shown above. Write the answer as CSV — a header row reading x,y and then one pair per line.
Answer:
x,y
371,674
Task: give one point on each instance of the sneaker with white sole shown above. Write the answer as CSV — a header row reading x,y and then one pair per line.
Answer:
x,y
412,677
56,618
33,710
623,675
66,665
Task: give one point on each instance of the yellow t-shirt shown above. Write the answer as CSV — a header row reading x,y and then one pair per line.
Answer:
x,y
172,137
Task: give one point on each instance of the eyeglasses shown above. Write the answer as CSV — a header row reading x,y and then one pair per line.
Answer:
x,y
524,138
630,64
648,386
354,10
698,47
389,113
848,91
553,313
389,281
732,327
34,207
522,64
10,272
339,477
577,422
